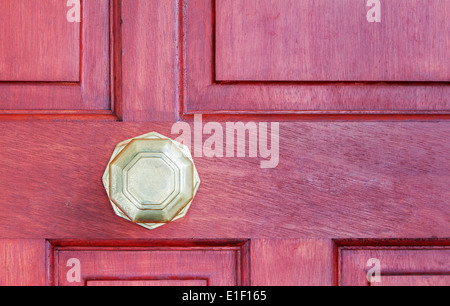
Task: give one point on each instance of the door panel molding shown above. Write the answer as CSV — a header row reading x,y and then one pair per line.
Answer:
x,y
413,262
202,93
72,99
210,262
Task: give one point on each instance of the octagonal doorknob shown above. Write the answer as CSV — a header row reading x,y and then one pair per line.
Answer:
x,y
151,180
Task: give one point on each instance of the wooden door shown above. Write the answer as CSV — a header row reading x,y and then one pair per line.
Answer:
x,y
363,110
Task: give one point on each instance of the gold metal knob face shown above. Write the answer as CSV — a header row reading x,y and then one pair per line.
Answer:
x,y
151,180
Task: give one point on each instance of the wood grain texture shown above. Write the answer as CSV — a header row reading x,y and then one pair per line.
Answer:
x,y
414,266
334,180
147,283
22,262
38,36
116,57
155,60
202,93
49,86
58,115
291,262
159,265
414,281
151,67
326,40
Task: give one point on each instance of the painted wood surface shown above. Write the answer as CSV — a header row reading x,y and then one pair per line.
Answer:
x,y
291,262
147,283
156,61
205,93
415,281
151,60
182,264
334,180
22,262
259,262
48,63
176,77
411,266
38,36
326,40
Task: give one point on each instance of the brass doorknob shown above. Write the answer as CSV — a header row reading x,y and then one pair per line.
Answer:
x,y
151,180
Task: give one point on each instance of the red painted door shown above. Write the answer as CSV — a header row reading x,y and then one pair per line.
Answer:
x,y
362,173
